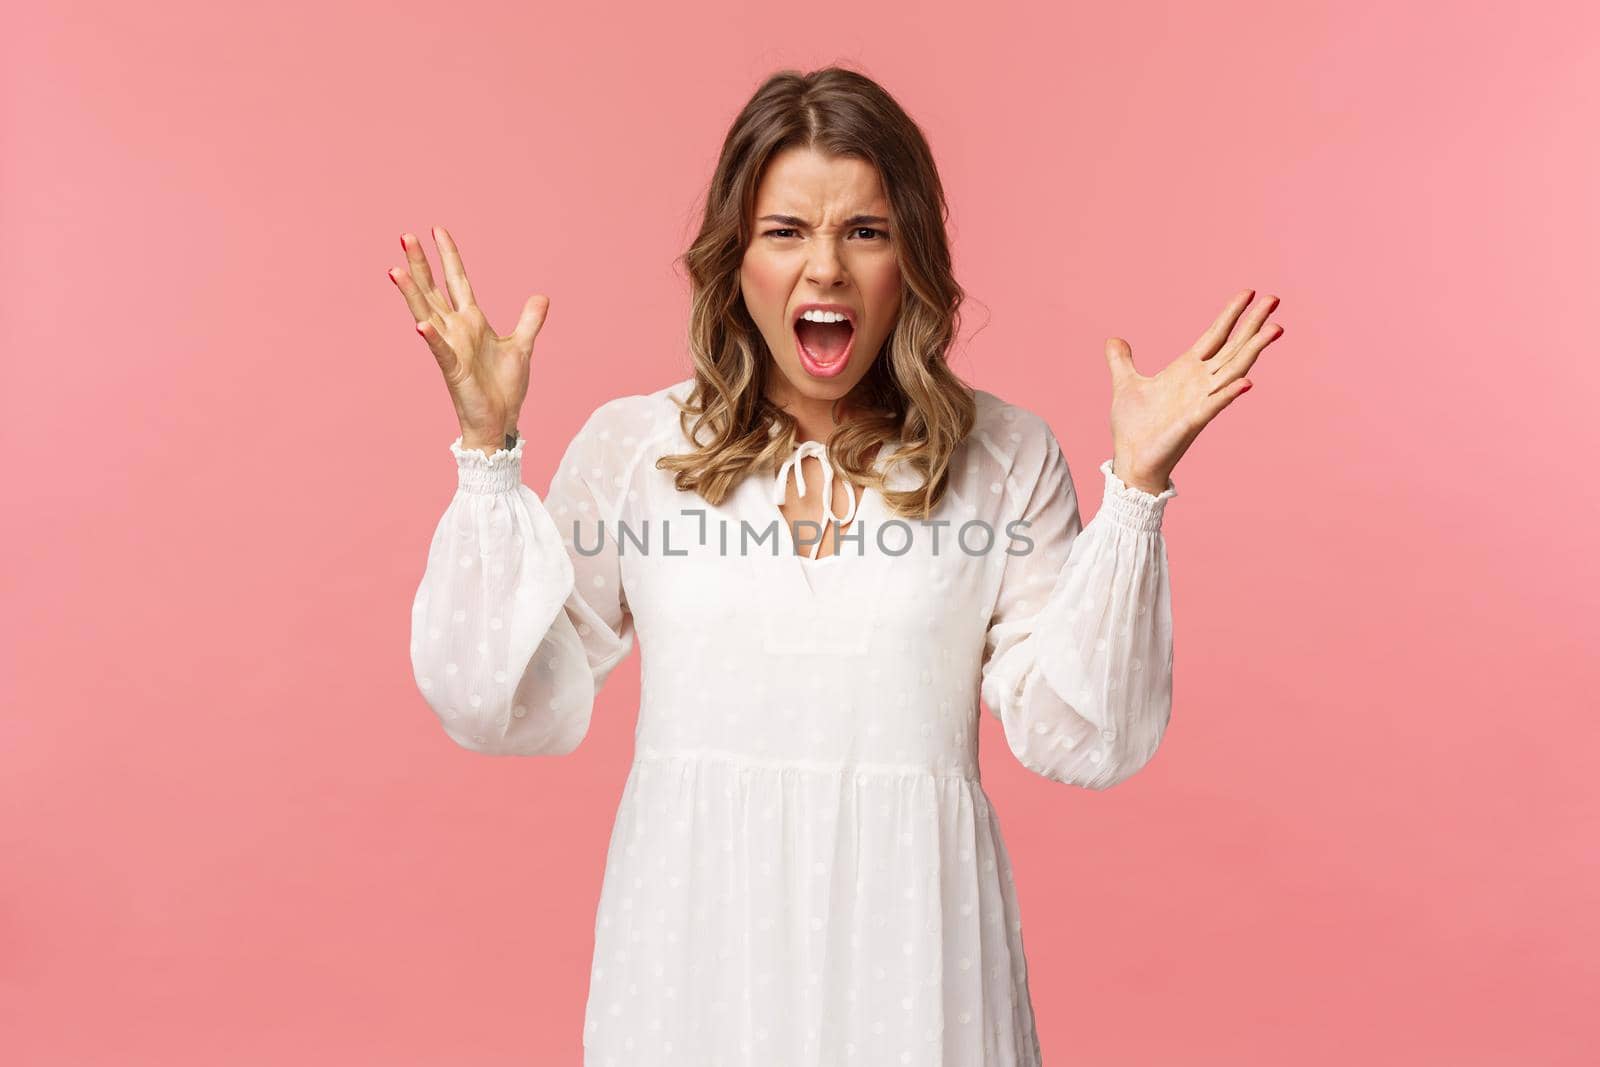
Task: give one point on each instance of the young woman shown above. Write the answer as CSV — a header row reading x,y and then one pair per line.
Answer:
x,y
805,868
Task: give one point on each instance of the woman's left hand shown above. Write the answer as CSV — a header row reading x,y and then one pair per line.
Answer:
x,y
1155,419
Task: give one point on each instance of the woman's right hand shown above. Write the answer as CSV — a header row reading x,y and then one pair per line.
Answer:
x,y
487,374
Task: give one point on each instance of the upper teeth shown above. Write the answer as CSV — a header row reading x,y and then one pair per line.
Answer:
x,y
813,315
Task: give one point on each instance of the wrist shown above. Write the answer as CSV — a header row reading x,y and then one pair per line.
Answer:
x,y
1148,481
489,445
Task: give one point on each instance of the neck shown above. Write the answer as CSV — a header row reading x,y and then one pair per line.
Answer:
x,y
814,416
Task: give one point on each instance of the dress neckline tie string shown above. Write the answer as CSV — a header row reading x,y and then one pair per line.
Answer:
x,y
780,488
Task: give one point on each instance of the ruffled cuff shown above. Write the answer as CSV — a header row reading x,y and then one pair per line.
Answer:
x,y
478,473
1132,507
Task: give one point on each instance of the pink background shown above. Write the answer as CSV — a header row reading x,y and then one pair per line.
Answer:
x,y
233,833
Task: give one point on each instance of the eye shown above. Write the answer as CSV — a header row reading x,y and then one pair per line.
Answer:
x,y
774,233
869,229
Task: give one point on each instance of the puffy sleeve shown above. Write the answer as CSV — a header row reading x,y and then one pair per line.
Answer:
x,y
1078,655
520,614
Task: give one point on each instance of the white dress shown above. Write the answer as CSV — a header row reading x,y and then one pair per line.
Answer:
x,y
804,870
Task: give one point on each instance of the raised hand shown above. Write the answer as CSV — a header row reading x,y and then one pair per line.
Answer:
x,y
487,374
1155,419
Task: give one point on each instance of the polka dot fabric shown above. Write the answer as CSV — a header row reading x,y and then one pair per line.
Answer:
x,y
804,870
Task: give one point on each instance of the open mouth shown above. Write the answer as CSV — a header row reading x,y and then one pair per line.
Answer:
x,y
824,347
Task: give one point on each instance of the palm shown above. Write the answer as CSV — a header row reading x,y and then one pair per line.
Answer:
x,y
492,381
486,373
1155,418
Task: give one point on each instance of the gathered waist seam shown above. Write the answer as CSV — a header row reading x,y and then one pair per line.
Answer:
x,y
743,760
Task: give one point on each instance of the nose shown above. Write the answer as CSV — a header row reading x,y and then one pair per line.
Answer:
x,y
824,266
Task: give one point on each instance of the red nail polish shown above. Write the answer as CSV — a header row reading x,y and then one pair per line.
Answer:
x,y
419,326
1246,388
390,273
403,247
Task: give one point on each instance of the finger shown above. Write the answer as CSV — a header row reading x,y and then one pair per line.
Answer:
x,y
417,264
422,309
534,312
455,274
1237,363
443,354
1249,327
1119,357
1214,338
1225,396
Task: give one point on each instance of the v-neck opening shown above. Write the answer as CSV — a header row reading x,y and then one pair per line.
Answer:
x,y
868,499
864,494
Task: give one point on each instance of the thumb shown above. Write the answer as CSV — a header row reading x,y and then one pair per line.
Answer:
x,y
1119,356
528,326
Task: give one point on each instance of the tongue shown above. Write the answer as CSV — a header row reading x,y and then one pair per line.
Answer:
x,y
825,340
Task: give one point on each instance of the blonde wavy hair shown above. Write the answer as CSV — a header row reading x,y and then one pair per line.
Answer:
x,y
910,395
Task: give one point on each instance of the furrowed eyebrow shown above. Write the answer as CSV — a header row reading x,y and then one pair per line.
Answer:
x,y
853,220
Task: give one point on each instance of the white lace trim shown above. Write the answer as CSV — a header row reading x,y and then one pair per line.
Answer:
x,y
497,473
1131,506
